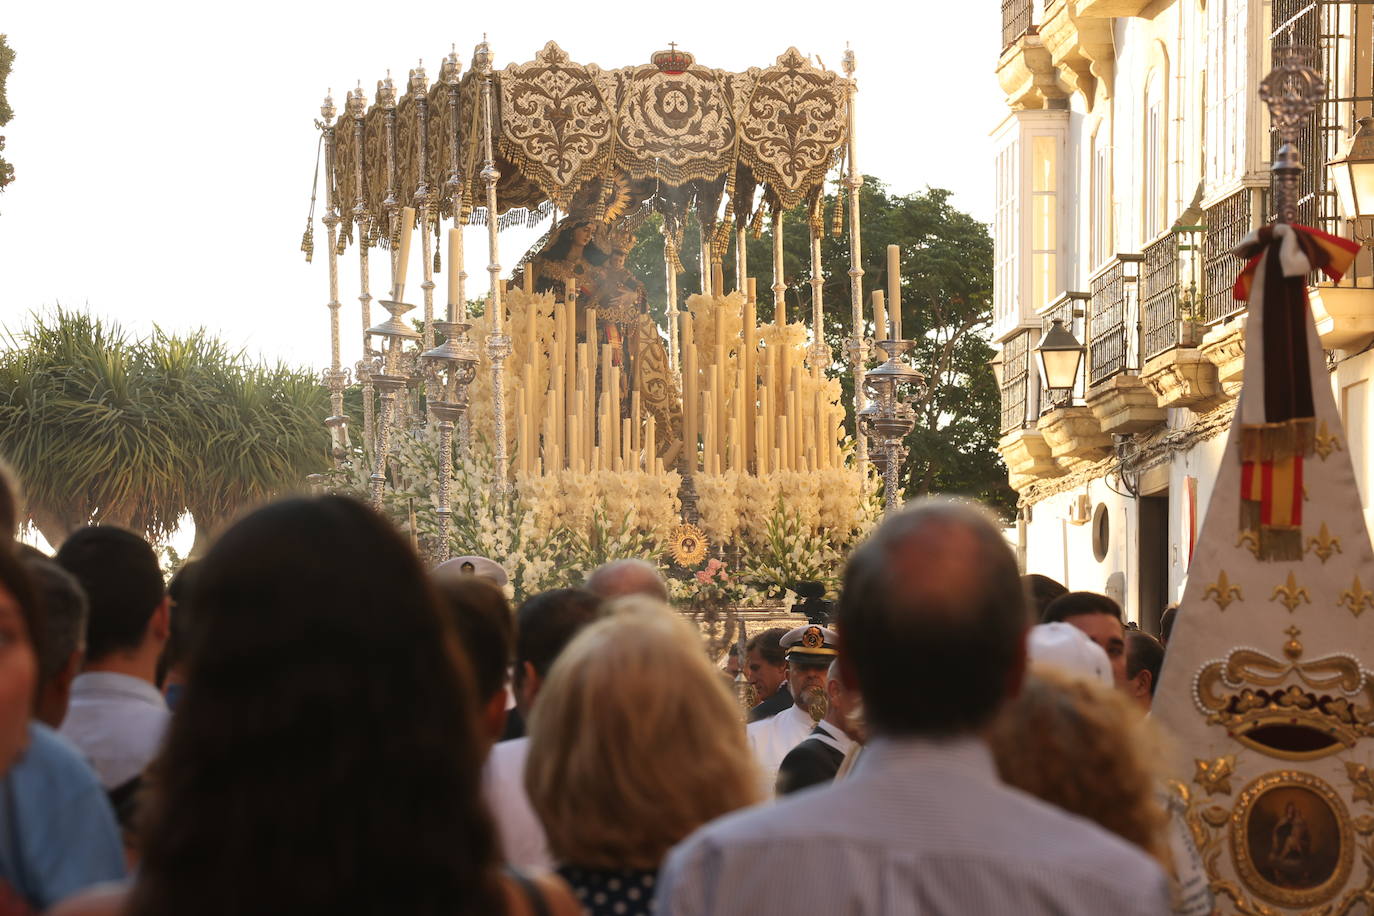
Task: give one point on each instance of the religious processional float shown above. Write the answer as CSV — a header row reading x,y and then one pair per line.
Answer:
x,y
584,429
1265,691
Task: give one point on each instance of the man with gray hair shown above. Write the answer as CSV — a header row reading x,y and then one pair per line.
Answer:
x,y
619,578
933,623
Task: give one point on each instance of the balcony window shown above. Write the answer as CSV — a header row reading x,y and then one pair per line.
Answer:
x,y
1170,289
1112,320
1228,222
1044,222
1100,190
1016,20
1020,385
1153,183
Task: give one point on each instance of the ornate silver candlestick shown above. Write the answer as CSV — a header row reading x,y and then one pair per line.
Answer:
x,y
395,333
893,384
451,367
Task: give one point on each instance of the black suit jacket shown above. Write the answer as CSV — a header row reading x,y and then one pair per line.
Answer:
x,y
773,705
810,763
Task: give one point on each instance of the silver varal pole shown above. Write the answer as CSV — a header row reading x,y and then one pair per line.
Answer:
x,y
336,378
1291,90
820,352
858,346
779,285
419,86
498,343
670,310
357,109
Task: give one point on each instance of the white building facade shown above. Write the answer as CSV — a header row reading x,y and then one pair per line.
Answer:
x,y
1134,156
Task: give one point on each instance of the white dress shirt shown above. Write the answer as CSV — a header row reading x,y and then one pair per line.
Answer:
x,y
117,721
523,842
770,739
918,827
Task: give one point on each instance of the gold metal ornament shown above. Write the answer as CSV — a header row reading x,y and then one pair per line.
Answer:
x,y
1223,592
1356,598
1215,775
1250,541
687,545
1292,839
1361,781
1324,545
1290,594
1294,710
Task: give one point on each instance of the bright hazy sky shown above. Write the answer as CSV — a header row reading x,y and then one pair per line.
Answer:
x,y
164,150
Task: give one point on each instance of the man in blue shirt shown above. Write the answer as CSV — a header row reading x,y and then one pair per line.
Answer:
x,y
57,831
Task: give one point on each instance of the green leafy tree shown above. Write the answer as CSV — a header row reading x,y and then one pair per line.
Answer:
x,y
946,307
6,113
104,427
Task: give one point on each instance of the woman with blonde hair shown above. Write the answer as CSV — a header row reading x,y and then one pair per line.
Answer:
x,y
634,744
1086,748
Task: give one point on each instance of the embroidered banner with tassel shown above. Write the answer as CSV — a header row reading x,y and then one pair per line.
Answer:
x,y
1277,422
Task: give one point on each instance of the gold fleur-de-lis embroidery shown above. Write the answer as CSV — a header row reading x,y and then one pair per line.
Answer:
x,y
1326,442
1355,599
1223,592
1250,541
1215,775
1290,593
1324,545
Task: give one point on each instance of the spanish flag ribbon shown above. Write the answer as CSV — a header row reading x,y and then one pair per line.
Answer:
x,y
1277,413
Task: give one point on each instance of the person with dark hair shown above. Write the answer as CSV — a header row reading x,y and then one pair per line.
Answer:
x,y
933,618
1166,624
326,756
481,616
117,716
1144,658
1040,591
64,646
171,667
57,832
1098,616
765,671
544,625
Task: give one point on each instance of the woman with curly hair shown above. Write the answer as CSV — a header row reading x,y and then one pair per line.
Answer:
x,y
1086,748
325,755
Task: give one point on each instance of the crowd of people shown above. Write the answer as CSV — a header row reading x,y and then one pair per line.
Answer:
x,y
307,720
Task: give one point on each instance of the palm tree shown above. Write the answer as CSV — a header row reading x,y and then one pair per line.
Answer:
x,y
103,428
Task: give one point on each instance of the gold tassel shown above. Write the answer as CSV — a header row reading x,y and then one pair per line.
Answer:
x,y
1250,444
1280,544
1249,514
308,242
837,218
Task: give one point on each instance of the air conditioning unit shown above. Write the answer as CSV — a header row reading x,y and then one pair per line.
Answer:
x,y
1081,510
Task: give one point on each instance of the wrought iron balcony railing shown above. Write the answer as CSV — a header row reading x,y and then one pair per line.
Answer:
x,y
1170,290
1020,383
1016,20
1228,222
1113,319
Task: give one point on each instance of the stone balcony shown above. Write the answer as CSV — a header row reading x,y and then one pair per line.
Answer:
x,y
1074,434
1344,316
1027,74
1109,9
1080,47
1124,404
1183,377
1224,345
1027,457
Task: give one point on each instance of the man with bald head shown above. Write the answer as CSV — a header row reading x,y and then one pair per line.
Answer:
x,y
932,623
620,578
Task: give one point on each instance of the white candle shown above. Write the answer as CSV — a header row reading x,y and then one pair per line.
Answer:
x,y
880,331
403,253
455,265
894,289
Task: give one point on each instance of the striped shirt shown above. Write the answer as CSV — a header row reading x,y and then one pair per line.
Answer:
x,y
919,827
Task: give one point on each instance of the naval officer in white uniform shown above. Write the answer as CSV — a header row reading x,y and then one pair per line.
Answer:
x,y
810,650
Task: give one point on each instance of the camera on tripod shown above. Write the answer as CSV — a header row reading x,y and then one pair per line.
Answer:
x,y
813,602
